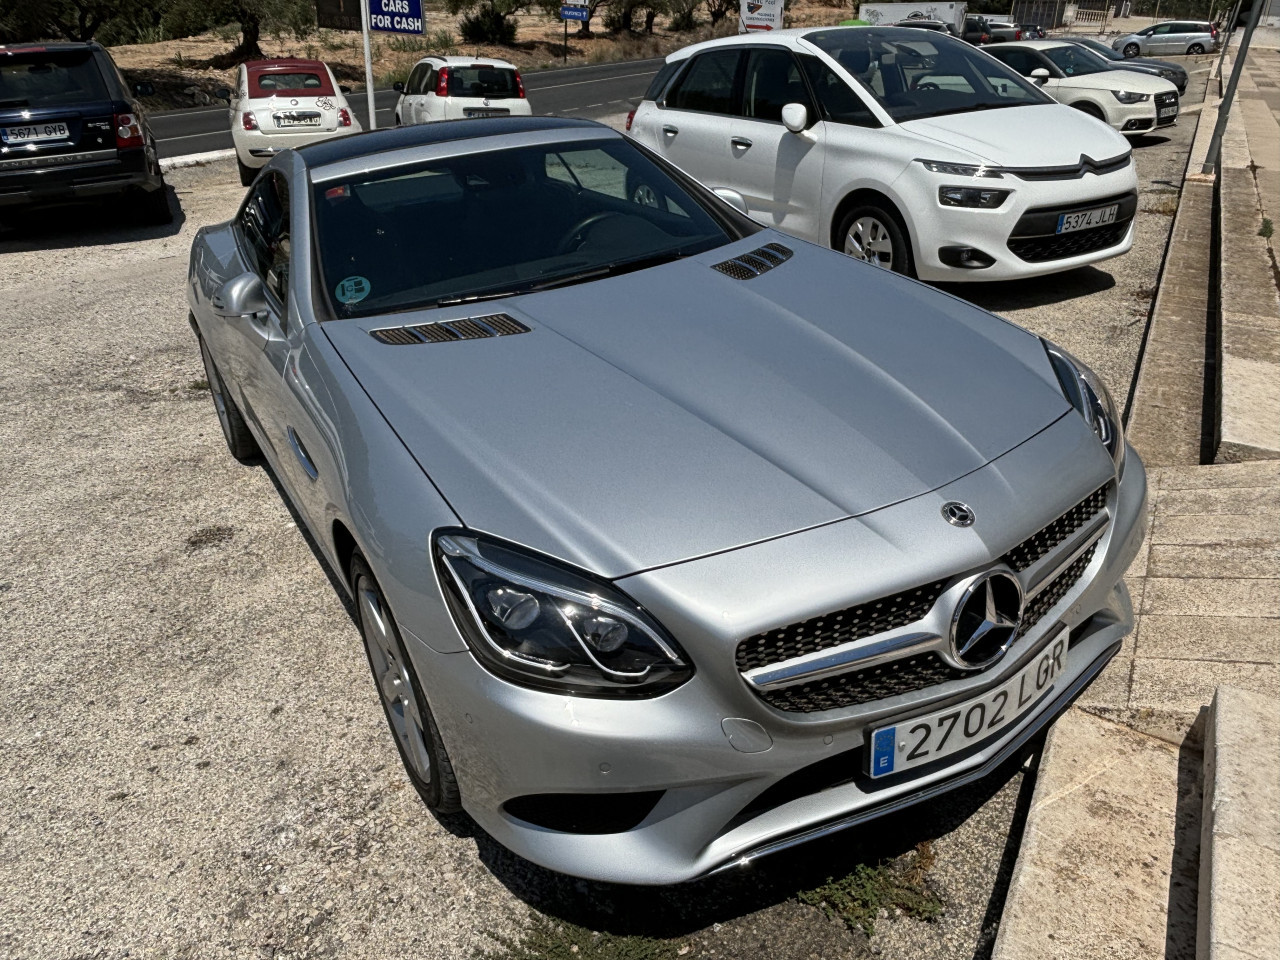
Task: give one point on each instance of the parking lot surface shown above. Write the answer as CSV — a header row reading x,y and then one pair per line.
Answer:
x,y
193,758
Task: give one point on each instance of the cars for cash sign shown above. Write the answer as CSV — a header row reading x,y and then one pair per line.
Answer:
x,y
756,15
396,16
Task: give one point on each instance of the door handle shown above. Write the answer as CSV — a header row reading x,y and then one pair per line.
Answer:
x,y
742,143
669,130
301,453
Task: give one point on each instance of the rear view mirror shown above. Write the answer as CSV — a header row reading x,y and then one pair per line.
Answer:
x,y
733,198
795,117
1039,74
241,296
398,87
144,89
343,88
223,93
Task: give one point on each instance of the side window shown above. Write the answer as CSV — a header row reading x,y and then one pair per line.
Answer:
x,y
415,78
1022,61
1002,85
660,81
707,85
1162,30
836,101
772,80
428,82
264,230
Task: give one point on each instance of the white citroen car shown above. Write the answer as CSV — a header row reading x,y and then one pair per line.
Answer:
x,y
278,104
458,88
916,152
1133,103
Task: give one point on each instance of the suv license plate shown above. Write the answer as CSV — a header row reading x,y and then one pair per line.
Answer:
x,y
925,739
39,131
1098,217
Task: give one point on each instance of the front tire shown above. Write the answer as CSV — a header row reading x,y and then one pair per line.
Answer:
x,y
1093,110
234,429
247,173
412,725
875,234
1131,50
1195,49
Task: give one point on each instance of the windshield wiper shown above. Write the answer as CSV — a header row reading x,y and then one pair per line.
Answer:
x,y
593,273
970,109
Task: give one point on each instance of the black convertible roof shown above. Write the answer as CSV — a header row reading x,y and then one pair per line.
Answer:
x,y
420,134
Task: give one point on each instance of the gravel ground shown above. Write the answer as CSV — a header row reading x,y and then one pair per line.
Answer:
x,y
193,759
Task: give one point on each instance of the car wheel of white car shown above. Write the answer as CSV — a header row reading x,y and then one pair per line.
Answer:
x,y
1093,110
1195,50
872,234
412,726
247,173
1131,50
234,430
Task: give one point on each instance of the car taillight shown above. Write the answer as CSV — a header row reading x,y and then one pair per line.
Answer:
x,y
630,116
344,117
1213,31
1017,34
248,120
128,130
985,38
442,82
519,86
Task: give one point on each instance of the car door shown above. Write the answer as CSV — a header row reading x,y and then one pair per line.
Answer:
x,y
778,173
1162,39
695,125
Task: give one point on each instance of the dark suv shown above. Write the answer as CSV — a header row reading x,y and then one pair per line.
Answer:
x,y
71,129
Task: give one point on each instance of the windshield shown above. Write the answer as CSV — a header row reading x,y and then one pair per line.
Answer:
x,y
44,79
1076,61
913,76
495,83
495,224
1101,49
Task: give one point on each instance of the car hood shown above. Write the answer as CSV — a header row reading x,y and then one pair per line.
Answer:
x,y
1043,135
1130,80
675,412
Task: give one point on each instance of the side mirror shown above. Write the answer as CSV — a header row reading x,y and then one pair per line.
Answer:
x,y
795,117
1039,75
398,87
241,296
144,89
733,198
343,88
223,93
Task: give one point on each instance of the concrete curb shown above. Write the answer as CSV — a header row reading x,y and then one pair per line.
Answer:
x,y
197,159
1239,896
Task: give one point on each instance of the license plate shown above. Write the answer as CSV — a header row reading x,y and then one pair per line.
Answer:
x,y
37,131
1100,217
485,113
936,735
1168,112
301,120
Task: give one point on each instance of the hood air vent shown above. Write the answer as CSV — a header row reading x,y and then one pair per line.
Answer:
x,y
761,260
472,328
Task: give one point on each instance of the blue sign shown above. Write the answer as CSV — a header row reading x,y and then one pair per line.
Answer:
x,y
396,16
575,13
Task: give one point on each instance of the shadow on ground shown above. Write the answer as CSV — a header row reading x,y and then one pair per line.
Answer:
x,y
64,226
1032,291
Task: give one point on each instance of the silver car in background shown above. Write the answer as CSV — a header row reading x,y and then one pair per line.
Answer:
x,y
1190,37
674,541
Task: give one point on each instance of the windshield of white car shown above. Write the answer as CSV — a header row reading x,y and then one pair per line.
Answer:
x,y
1101,49
914,76
1076,61
500,223
495,83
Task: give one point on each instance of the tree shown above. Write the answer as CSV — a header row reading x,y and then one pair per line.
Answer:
x,y
717,10
23,20
684,14
491,23
551,8
185,17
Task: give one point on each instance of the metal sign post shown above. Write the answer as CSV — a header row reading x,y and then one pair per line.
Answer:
x,y
368,64
1224,109
572,11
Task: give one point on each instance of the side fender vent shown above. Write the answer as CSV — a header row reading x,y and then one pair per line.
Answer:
x,y
471,328
761,260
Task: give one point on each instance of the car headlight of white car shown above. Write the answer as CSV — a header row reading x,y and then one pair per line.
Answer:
x,y
1089,395
1126,96
961,169
971,197
539,624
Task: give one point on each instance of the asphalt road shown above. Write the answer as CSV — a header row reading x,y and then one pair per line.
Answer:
x,y
592,92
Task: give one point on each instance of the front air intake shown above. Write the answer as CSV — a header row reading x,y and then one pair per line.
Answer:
x,y
761,260
446,331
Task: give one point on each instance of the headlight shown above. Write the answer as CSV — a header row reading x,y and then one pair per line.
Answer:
x,y
540,624
971,197
961,169
1089,395
1124,96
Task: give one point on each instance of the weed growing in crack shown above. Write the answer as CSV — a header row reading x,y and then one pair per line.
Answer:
x,y
548,939
858,898
1267,229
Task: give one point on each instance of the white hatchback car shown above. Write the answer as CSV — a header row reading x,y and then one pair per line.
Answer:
x,y
913,151
456,88
1133,103
278,104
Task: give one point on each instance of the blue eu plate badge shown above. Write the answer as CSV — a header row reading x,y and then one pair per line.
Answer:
x,y
882,751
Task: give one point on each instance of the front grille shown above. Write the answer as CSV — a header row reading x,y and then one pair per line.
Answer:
x,y
1044,601
1063,245
1074,171
1039,544
1164,100
833,629
447,331
761,260
863,686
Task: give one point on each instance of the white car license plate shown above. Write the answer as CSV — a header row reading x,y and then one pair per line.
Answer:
x,y
38,131
1098,217
301,120
471,113
924,739
1168,111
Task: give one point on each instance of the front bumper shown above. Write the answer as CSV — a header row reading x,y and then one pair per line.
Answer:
x,y
84,175
717,775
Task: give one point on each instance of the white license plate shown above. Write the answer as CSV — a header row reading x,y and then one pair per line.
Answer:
x,y
36,131
471,114
1168,112
303,121
936,735
1099,217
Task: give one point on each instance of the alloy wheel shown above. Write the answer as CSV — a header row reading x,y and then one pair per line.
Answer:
x,y
1131,50
394,681
868,239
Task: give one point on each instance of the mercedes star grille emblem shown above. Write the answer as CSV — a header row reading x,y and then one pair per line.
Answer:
x,y
958,514
986,620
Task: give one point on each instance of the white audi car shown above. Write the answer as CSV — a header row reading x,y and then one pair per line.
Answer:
x,y
278,104
1133,103
460,88
913,151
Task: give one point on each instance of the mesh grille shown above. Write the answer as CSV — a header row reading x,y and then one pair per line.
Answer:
x,y
833,629
761,260
396,336
473,328
863,686
1061,246
1043,601
732,268
1034,547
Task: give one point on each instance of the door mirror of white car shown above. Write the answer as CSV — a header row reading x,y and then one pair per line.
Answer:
x,y
795,117
223,93
1039,74
241,296
732,197
343,88
398,87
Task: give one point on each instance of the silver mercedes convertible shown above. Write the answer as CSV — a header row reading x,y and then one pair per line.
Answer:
x,y
674,541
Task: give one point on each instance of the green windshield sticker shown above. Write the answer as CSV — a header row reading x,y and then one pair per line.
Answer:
x,y
352,290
